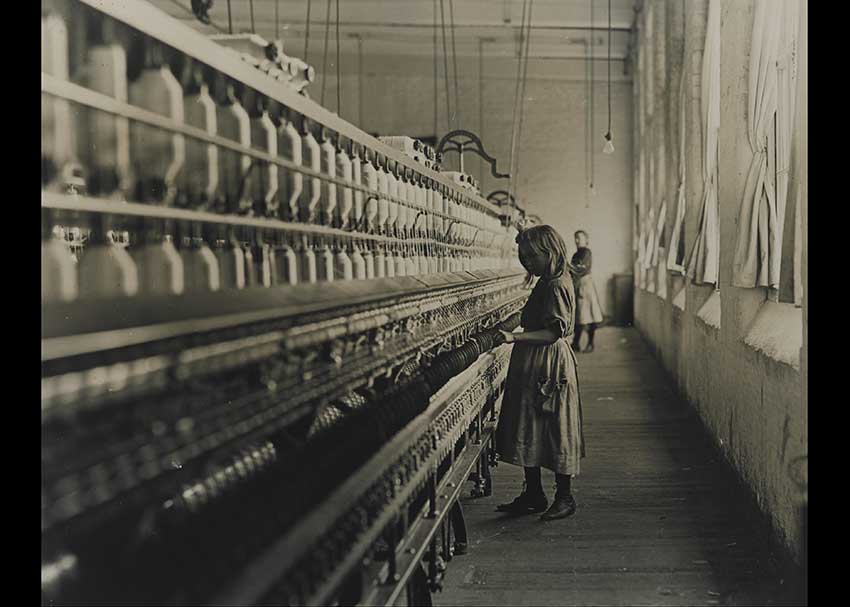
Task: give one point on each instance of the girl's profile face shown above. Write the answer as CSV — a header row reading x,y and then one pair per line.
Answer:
x,y
534,263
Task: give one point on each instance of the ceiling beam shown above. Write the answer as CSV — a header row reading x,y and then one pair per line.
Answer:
x,y
245,24
623,26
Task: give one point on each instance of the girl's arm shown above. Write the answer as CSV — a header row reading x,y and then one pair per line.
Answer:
x,y
541,337
582,261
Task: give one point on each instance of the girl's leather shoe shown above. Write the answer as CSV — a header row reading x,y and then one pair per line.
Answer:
x,y
561,507
525,504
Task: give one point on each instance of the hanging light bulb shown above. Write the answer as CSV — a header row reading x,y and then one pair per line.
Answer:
x,y
608,148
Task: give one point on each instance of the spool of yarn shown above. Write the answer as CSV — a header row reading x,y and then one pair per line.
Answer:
x,y
510,323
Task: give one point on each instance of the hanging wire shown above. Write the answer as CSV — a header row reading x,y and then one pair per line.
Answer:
x,y
481,90
251,9
338,76
609,68
229,18
524,82
277,20
446,64
514,120
458,121
436,80
519,106
588,136
325,55
592,114
360,81
306,32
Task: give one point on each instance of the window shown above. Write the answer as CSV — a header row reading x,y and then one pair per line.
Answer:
x,y
704,258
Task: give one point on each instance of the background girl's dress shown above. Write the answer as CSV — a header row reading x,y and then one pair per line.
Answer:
x,y
588,308
540,423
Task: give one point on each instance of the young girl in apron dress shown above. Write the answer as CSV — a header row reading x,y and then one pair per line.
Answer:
x,y
540,423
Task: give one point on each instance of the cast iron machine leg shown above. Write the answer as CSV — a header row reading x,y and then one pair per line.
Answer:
x,y
486,459
458,523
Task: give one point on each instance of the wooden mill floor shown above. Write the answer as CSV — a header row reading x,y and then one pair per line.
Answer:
x,y
660,520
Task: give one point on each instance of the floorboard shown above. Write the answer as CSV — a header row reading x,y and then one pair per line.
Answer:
x,y
660,519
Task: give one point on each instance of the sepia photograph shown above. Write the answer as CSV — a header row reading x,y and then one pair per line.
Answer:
x,y
424,302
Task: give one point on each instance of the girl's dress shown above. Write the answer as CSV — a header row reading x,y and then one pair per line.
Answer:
x,y
540,423
588,308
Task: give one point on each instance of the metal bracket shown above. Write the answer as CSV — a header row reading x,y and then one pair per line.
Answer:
x,y
502,197
461,140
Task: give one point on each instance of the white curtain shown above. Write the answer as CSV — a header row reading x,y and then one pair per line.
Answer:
x,y
659,234
705,255
661,276
641,248
758,250
658,255
640,278
636,182
646,250
649,50
641,253
800,143
639,226
786,97
649,242
675,248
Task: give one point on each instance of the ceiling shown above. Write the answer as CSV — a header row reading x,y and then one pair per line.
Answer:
x,y
560,28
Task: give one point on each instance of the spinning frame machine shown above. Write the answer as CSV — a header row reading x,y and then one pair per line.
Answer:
x,y
301,436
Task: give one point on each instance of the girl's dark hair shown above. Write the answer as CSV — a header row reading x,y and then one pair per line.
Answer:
x,y
544,240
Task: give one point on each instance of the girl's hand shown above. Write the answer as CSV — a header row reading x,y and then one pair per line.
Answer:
x,y
506,337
